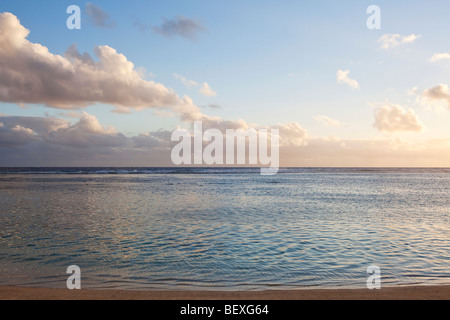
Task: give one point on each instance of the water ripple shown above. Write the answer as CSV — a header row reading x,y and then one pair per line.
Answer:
x,y
222,230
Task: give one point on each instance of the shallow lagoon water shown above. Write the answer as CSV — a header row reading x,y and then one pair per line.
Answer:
x,y
224,229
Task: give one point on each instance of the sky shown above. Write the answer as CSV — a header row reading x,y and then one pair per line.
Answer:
x,y
112,92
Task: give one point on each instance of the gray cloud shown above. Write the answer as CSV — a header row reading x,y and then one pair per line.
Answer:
x,y
99,17
212,106
57,142
40,126
179,26
15,136
149,140
38,141
143,28
438,93
87,133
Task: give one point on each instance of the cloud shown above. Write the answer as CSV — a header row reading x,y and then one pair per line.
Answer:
x,y
375,152
179,26
342,78
86,133
212,106
187,83
188,111
41,127
151,140
394,118
29,73
440,56
207,91
141,26
328,121
413,91
99,17
40,141
438,93
85,143
57,142
394,40
14,136
291,134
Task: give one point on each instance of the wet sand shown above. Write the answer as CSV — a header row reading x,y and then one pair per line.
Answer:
x,y
389,293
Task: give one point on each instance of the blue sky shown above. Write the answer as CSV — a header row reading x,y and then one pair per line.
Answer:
x,y
269,62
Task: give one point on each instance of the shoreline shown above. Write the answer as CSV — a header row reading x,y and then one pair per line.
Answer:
x,y
439,292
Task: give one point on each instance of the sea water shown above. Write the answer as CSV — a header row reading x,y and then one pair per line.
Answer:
x,y
224,228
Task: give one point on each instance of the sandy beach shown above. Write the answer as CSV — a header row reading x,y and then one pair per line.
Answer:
x,y
391,293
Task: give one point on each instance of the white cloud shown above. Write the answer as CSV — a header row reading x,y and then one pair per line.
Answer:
x,y
440,56
207,91
328,121
342,78
86,133
32,74
292,134
187,83
413,91
394,118
394,40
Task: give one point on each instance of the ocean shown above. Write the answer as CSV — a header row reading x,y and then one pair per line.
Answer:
x,y
224,228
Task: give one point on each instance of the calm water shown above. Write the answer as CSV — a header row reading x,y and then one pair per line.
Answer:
x,y
224,228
